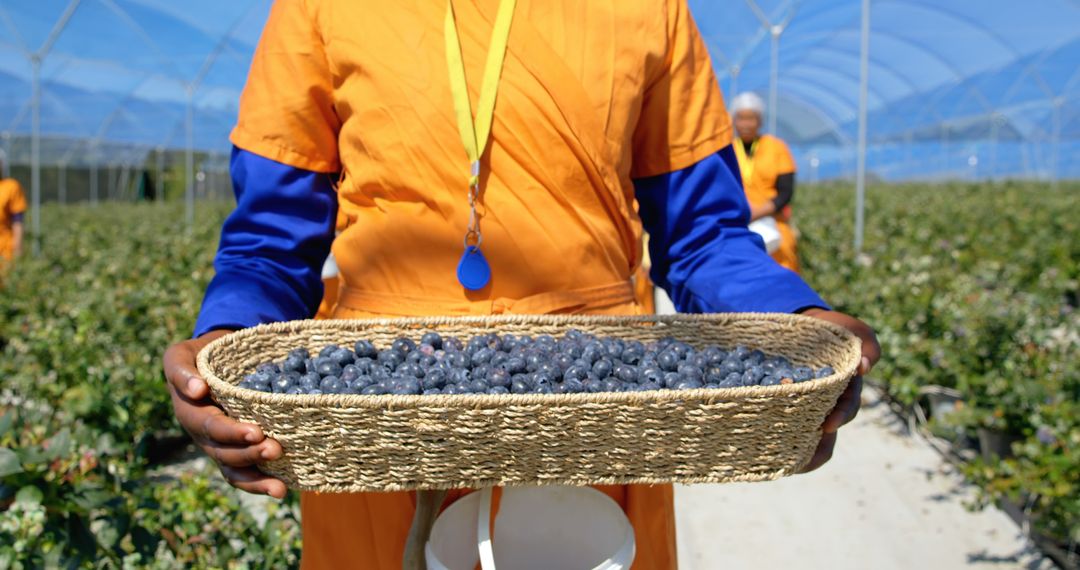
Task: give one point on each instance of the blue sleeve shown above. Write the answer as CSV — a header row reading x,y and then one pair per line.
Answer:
x,y
272,247
17,218
702,253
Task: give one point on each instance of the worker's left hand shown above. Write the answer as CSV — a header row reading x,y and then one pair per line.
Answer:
x,y
848,405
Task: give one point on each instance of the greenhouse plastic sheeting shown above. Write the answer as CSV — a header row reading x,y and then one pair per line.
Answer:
x,y
957,88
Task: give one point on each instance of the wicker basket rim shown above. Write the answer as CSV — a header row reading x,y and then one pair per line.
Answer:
x,y
328,401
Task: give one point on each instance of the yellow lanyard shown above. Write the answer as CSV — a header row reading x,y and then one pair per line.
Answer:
x,y
746,163
473,271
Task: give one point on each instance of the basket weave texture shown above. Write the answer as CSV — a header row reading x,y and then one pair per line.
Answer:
x,y
354,443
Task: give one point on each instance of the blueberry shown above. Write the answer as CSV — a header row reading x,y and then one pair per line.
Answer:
x,y
452,389
282,383
533,362
328,368
414,357
403,345
732,366
602,368
309,381
409,386
668,361
373,390
293,364
803,373
499,359
681,349
427,361
626,373
519,387
349,373
771,381
593,352
827,371
649,386
612,385
509,341
332,385
361,382
434,379
343,356
459,376
268,368
564,361
688,384
479,386
452,344
573,386
498,390
756,357
769,366
364,349
411,370
379,374
328,350
740,352
315,392
432,339
651,374
671,379
732,380
550,370
458,359
432,392
752,376
391,359
295,390
545,389
301,353
499,378
482,355
579,373
515,365
690,371
781,362
542,379
594,386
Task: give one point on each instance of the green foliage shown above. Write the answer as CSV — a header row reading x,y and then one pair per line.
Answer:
x,y
83,401
971,287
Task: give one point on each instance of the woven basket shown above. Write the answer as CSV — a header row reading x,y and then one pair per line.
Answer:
x,y
353,443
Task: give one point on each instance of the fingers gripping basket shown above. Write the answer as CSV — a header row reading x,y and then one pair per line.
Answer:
x,y
352,443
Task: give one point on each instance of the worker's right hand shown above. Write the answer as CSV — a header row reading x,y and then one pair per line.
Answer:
x,y
237,447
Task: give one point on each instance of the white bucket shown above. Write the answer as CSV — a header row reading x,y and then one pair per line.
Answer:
x,y
537,528
768,230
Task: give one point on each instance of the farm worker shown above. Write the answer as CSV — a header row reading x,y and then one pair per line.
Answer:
x,y
592,108
12,209
768,173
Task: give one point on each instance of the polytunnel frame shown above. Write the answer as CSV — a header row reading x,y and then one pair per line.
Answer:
x,y
37,57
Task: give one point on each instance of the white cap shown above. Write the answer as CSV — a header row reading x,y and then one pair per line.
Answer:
x,y
748,101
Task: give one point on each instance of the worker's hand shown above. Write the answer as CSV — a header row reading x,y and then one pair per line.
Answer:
x,y
758,212
236,447
847,407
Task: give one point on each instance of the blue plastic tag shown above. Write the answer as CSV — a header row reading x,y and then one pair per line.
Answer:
x,y
473,270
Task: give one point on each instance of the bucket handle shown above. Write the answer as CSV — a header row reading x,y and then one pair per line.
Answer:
x,y
483,530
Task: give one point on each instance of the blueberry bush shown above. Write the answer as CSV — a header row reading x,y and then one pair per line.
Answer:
x,y
974,287
83,409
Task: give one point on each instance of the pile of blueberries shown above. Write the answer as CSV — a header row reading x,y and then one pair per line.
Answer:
x,y
508,364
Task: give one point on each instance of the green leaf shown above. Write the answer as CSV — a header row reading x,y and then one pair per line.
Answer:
x,y
59,444
9,462
29,495
6,421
